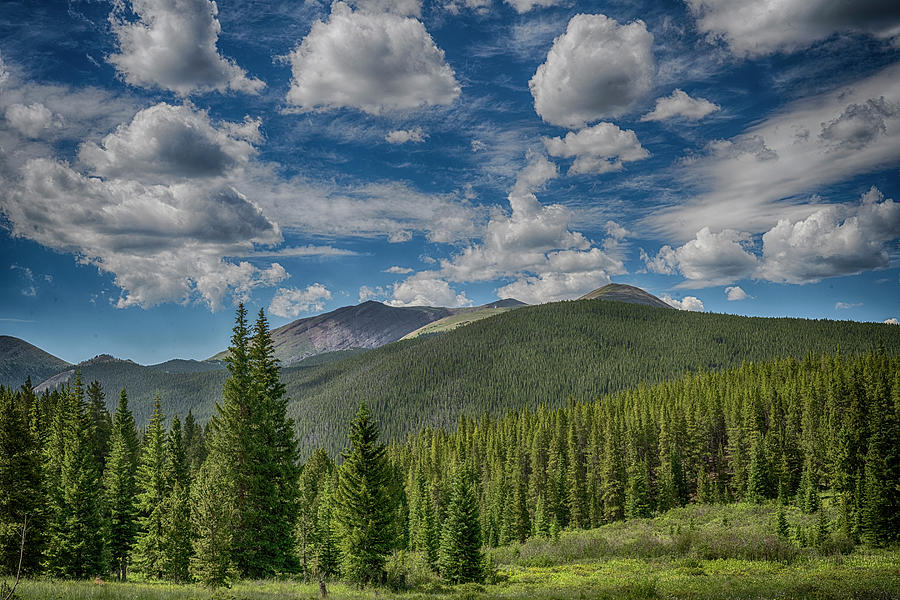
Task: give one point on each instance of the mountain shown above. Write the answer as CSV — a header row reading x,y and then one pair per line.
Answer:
x,y
19,360
181,365
621,292
548,354
465,316
367,325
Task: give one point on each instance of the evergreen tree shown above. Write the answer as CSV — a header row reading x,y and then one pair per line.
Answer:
x,y
176,508
363,505
213,518
328,556
75,547
119,488
149,550
254,440
102,423
315,472
21,493
460,559
781,525
757,485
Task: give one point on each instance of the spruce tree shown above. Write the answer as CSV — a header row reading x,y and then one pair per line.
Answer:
x,y
120,488
75,547
176,508
363,504
327,553
460,559
102,423
213,518
21,492
149,551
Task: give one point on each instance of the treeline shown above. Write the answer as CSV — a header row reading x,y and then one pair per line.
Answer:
x,y
184,503
546,355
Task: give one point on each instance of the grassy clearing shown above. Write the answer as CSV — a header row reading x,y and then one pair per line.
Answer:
x,y
698,552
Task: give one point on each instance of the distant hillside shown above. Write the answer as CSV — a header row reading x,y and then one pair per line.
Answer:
x,y
19,360
367,325
547,354
180,365
465,316
621,292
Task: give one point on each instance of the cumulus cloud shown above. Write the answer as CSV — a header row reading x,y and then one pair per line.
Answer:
x,y
596,69
680,104
846,305
32,120
835,240
687,303
598,149
401,136
289,303
524,6
165,143
770,171
161,243
860,124
372,62
710,259
172,46
426,289
891,321
735,293
535,246
760,27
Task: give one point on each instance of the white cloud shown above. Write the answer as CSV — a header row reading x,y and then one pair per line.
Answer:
x,y
534,246
373,62
161,243
289,303
309,250
32,120
891,321
735,293
679,104
478,146
846,305
398,270
596,69
835,240
367,293
710,259
598,149
687,303
172,46
524,6
768,172
760,27
4,73
426,289
553,286
401,136
169,143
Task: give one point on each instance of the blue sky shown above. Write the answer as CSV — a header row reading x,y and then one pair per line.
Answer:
x,y
161,160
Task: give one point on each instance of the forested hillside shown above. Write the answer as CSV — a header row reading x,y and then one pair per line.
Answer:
x,y
546,355
20,360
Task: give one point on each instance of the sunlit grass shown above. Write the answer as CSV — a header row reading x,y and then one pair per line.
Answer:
x,y
696,552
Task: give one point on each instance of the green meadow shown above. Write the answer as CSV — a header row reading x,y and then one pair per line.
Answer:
x,y
696,552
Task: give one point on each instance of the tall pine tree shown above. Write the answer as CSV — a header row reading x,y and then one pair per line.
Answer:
x,y
363,503
460,559
120,488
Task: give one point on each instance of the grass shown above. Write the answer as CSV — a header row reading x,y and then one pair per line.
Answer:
x,y
692,553
454,321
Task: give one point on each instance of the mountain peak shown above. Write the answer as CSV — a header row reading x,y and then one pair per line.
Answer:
x,y
621,292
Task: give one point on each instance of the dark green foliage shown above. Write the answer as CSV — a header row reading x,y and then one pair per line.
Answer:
x,y
254,441
313,477
120,489
176,508
75,545
102,423
21,492
363,505
213,518
327,554
149,550
653,448
460,559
